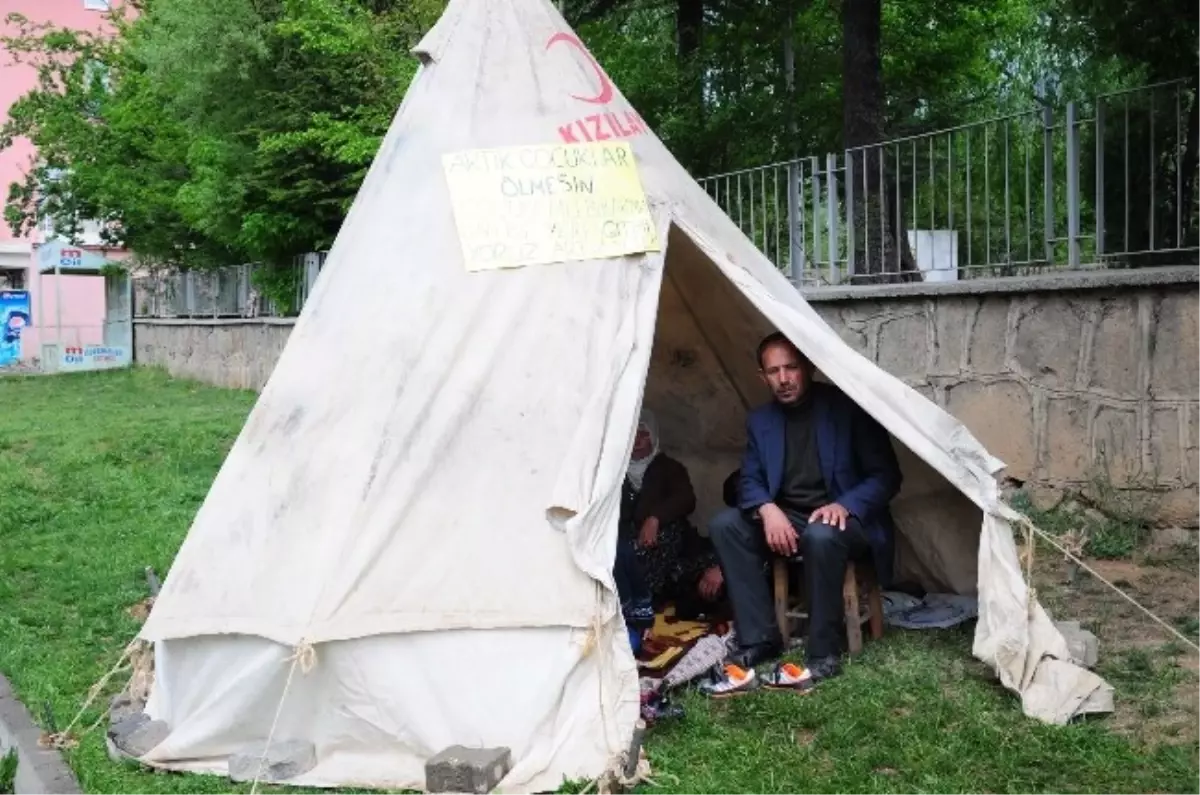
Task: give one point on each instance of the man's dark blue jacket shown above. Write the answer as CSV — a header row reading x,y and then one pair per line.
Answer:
x,y
857,461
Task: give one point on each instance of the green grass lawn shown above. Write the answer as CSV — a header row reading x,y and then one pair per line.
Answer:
x,y
101,474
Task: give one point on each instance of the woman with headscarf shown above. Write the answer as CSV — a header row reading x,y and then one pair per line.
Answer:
x,y
660,556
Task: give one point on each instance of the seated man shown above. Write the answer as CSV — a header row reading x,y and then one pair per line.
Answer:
x,y
816,479
660,556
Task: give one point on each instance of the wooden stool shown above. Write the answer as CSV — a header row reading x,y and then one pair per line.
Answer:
x,y
855,615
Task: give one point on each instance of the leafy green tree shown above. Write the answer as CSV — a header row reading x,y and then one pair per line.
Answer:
x,y
228,131
220,132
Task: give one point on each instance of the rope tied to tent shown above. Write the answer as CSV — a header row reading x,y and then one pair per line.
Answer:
x,y
63,739
1031,591
591,637
617,779
141,677
596,640
304,657
641,773
1032,529
592,642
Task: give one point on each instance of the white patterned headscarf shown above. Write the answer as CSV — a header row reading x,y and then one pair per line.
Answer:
x,y
638,466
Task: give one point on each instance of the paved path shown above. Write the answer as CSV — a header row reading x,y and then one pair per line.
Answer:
x,y
38,769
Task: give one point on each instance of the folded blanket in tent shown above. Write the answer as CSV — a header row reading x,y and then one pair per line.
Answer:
x,y
662,660
935,611
684,631
669,639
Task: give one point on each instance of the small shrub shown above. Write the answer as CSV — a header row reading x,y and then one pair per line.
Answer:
x,y
1115,528
1123,525
1188,625
1114,538
8,771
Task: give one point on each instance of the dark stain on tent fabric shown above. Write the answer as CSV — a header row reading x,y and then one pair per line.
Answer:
x,y
374,471
296,491
389,156
534,75
480,77
292,421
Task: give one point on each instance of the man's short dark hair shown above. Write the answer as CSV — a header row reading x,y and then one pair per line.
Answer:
x,y
779,338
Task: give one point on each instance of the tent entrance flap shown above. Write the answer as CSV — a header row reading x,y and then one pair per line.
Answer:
x,y
703,378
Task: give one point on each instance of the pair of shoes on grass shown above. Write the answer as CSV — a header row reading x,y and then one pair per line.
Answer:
x,y
730,679
735,677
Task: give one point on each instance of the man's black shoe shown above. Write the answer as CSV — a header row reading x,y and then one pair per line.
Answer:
x,y
824,668
749,657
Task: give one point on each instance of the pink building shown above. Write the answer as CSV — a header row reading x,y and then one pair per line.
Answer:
x,y
81,313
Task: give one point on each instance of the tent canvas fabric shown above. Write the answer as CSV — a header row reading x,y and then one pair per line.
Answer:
x,y
422,504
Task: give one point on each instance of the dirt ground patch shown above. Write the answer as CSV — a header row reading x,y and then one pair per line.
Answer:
x,y
1156,677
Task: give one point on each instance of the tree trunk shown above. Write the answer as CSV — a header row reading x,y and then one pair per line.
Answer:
x,y
689,37
789,76
862,73
689,27
881,251
796,257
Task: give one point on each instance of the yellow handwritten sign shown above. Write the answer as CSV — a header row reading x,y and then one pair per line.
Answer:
x,y
530,205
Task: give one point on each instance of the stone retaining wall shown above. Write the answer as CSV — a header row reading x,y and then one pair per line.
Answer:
x,y
1071,379
238,354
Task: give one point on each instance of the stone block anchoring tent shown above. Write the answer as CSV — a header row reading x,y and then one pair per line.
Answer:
x,y
409,546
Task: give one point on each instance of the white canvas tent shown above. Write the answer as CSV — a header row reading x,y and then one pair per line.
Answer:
x,y
422,505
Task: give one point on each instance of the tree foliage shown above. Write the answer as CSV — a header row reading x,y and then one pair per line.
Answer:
x,y
1161,41
239,130
212,133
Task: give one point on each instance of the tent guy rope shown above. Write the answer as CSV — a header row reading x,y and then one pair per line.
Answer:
x,y
1034,529
63,738
304,656
1031,596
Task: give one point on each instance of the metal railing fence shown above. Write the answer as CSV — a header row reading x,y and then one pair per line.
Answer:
x,y
237,291
1110,182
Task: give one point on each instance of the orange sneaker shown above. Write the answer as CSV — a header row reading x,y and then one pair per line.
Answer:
x,y
789,676
725,681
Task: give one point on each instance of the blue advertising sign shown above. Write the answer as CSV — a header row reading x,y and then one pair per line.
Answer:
x,y
15,317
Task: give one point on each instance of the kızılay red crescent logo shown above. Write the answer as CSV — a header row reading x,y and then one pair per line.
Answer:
x,y
606,87
606,126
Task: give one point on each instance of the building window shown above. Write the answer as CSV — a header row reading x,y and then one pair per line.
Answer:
x,y
12,279
97,5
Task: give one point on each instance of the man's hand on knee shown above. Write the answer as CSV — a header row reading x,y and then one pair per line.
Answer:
x,y
781,536
832,514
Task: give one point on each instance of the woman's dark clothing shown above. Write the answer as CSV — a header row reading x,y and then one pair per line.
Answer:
x,y
672,567
666,493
